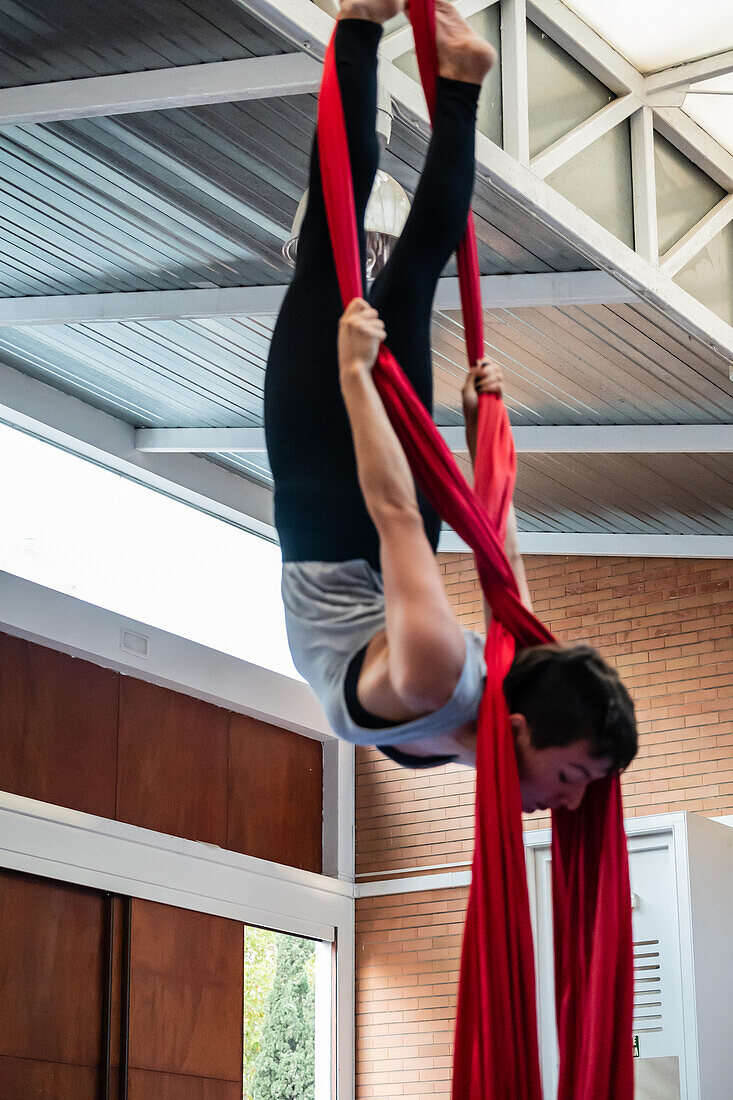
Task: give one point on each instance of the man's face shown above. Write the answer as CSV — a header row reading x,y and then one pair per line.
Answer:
x,y
554,778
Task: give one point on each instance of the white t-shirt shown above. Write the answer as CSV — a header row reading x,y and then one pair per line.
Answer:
x,y
332,611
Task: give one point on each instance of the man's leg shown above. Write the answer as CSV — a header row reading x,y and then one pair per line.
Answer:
x,y
318,506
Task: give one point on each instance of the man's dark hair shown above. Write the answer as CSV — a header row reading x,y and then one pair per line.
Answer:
x,y
569,693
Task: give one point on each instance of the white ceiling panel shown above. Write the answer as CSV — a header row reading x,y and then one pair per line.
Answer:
x,y
660,33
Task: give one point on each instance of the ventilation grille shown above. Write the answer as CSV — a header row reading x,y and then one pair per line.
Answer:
x,y
648,1005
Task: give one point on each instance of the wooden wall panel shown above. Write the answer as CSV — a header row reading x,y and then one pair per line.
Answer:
x,y
58,717
172,764
275,794
147,1085
52,941
186,992
21,1079
77,735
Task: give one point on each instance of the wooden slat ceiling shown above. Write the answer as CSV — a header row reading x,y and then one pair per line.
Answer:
x,y
590,365
205,197
42,42
640,494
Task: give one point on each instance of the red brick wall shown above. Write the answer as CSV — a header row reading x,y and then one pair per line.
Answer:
x,y
667,625
407,977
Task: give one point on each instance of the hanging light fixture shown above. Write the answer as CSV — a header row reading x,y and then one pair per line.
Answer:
x,y
386,211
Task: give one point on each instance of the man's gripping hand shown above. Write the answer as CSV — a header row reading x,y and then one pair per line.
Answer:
x,y
361,331
483,377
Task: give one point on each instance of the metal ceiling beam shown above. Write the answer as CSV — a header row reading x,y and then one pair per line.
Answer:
x,y
644,185
200,440
690,72
67,422
514,79
498,291
608,545
573,439
548,288
161,89
142,305
626,439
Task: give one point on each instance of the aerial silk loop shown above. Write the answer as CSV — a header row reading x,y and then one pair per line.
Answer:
x,y
496,1050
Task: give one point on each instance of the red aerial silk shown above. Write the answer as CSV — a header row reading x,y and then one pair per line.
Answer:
x,y
496,1054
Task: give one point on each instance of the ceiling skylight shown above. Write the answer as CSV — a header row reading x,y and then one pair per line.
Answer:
x,y
660,33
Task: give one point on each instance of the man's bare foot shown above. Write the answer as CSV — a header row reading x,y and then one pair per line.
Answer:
x,y
462,53
375,11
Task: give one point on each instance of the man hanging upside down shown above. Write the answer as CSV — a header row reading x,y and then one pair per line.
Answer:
x,y
368,618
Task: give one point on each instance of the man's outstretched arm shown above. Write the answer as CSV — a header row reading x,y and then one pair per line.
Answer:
x,y
425,649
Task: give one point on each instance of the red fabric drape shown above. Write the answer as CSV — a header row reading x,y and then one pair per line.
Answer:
x,y
496,1056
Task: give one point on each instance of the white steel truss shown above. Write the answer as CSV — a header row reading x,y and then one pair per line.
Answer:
x,y
691,72
515,80
644,187
585,134
698,237
520,183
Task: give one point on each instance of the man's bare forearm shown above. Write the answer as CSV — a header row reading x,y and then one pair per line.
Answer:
x,y
516,560
472,438
384,474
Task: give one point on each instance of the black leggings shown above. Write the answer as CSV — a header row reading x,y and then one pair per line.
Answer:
x,y
319,510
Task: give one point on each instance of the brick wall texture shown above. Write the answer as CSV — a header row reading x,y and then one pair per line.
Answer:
x,y
667,625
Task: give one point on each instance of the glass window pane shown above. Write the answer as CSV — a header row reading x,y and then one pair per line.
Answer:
x,y
83,530
489,120
287,1017
598,181
562,94
684,193
709,275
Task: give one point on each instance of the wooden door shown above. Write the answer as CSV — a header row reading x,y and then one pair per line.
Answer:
x,y
186,1005
53,982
